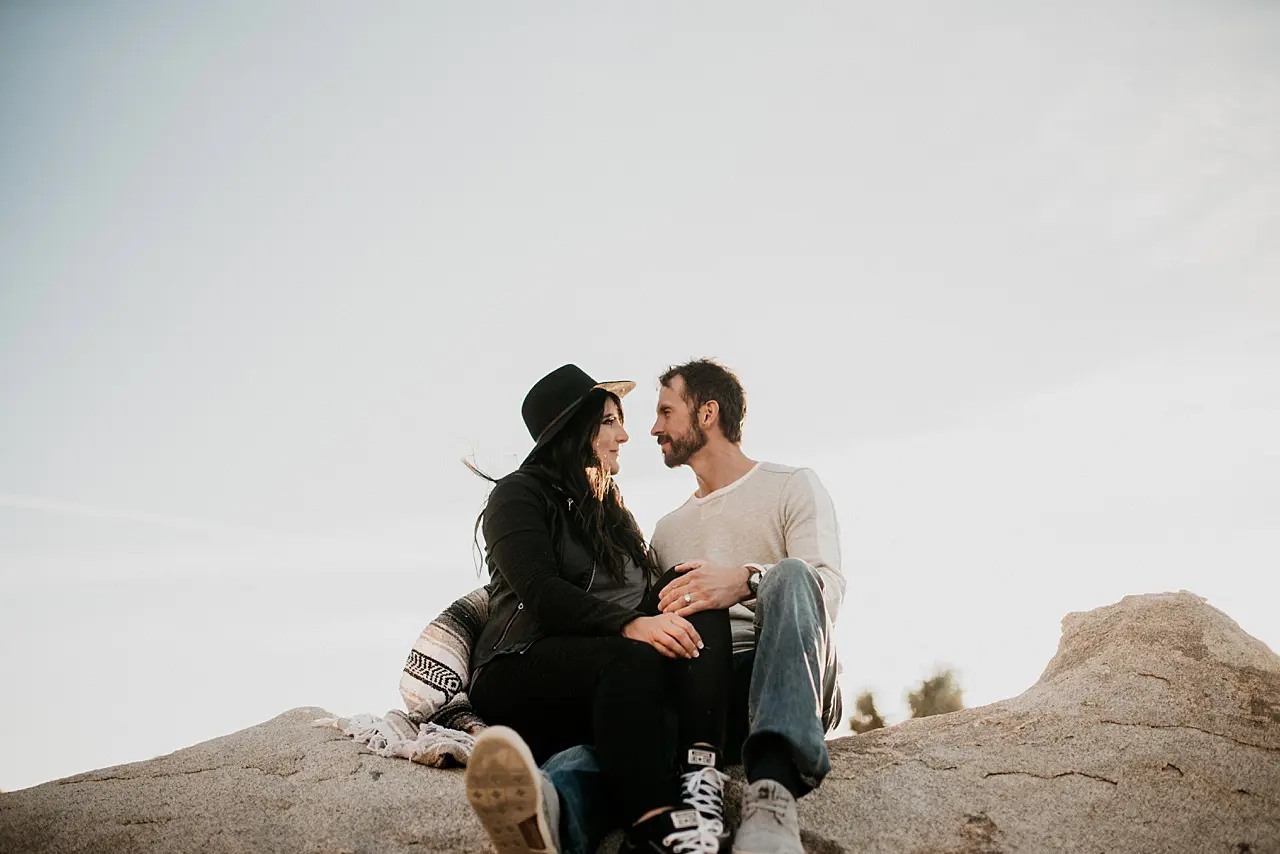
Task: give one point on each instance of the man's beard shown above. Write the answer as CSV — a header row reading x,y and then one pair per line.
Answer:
x,y
684,447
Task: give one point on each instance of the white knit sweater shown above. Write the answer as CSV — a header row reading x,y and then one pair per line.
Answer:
x,y
770,513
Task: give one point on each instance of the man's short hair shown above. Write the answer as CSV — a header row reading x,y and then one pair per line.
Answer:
x,y
706,380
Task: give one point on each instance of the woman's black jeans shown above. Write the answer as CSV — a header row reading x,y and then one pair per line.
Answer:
x,y
636,706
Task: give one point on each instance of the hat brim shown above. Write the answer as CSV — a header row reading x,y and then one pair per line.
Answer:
x,y
621,388
618,388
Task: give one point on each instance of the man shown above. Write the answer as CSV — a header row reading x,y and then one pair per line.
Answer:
x,y
760,539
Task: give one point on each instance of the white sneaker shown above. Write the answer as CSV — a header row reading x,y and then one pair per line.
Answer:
x,y
770,824
517,806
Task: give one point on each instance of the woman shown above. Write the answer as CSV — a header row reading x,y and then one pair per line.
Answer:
x,y
575,650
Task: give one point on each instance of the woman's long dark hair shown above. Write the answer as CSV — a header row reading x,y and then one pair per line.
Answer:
x,y
569,463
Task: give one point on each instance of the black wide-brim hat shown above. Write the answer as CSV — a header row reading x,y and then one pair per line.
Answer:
x,y
551,402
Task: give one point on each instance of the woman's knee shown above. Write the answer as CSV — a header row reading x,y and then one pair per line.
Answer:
x,y
710,621
667,577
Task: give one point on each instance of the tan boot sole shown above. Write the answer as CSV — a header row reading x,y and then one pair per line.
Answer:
x,y
504,789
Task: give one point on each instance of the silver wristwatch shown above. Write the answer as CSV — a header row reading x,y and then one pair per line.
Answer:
x,y
753,580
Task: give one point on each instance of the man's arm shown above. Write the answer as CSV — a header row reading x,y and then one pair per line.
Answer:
x,y
813,534
709,587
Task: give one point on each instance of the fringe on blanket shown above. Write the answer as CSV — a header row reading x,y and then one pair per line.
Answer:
x,y
396,736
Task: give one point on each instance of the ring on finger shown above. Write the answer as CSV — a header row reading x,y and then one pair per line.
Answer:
x,y
688,597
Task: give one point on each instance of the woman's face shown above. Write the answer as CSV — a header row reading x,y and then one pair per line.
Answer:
x,y
611,436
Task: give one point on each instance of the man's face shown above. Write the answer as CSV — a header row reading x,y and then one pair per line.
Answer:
x,y
679,434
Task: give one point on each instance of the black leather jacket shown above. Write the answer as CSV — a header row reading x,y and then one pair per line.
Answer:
x,y
540,572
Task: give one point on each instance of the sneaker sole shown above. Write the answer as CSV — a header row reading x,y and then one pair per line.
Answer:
x,y
504,788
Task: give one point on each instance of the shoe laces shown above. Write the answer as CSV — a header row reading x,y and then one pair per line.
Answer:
x,y
776,807
696,840
703,790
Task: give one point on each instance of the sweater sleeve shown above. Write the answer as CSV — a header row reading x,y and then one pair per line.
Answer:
x,y
519,542
812,533
658,546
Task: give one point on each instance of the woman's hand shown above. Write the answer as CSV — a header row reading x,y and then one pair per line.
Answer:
x,y
673,636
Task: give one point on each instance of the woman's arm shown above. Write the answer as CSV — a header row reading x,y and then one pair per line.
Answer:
x,y
519,542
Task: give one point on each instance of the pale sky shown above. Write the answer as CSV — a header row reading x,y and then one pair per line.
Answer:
x,y
1007,276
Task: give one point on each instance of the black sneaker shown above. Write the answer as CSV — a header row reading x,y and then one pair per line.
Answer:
x,y
671,832
702,789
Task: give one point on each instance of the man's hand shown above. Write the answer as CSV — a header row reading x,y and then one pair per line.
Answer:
x,y
674,637
707,586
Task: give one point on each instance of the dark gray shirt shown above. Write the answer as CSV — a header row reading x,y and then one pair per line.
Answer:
x,y
627,592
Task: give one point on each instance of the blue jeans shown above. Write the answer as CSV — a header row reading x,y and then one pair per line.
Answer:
x,y
587,813
793,693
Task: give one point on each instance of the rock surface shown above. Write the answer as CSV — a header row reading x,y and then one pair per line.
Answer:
x,y
1155,728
